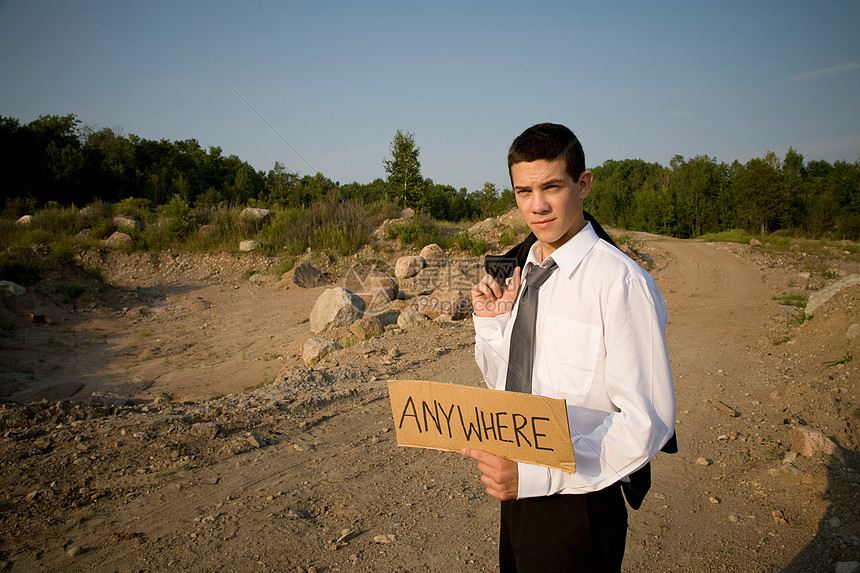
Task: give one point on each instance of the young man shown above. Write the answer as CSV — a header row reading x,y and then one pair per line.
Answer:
x,y
599,344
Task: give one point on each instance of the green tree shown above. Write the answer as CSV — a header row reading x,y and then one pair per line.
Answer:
x,y
760,195
405,184
488,196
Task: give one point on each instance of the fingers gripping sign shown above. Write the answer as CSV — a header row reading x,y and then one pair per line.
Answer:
x,y
492,297
501,476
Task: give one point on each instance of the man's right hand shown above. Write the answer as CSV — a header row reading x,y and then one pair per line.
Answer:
x,y
492,297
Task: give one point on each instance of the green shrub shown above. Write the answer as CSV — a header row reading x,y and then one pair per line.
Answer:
x,y
134,207
794,299
58,221
71,292
63,253
327,225
508,237
19,265
177,217
730,236
417,231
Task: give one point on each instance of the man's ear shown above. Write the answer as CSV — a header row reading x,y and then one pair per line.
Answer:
x,y
585,179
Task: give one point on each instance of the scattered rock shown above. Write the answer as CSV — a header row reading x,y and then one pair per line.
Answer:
x,y
820,297
847,567
778,517
255,213
452,303
410,318
305,275
207,430
734,517
792,470
809,442
84,235
379,279
433,255
34,317
40,494
726,409
704,462
366,327
249,245
387,317
8,288
376,297
385,538
121,222
336,307
74,551
256,441
755,243
315,349
207,230
853,332
407,267
109,398
118,240
347,534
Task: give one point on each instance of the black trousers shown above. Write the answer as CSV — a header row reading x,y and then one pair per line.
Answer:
x,y
583,533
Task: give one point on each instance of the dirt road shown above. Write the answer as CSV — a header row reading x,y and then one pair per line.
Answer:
x,y
324,486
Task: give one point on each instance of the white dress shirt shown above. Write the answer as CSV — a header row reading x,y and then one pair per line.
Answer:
x,y
601,346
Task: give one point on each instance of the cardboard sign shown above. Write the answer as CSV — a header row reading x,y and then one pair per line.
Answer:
x,y
518,427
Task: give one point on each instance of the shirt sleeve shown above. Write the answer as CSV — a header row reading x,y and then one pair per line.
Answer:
x,y
490,350
638,381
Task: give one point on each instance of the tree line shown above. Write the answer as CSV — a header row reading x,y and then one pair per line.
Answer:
x,y
56,160
692,197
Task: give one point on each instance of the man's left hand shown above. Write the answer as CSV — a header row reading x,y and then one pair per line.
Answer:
x,y
501,476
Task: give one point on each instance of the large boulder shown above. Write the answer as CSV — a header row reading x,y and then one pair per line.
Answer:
x,y
433,255
25,221
407,267
315,349
118,240
336,307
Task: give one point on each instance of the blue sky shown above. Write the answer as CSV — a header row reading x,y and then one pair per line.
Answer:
x,y
730,80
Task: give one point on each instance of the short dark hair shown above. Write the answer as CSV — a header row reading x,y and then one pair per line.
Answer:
x,y
550,142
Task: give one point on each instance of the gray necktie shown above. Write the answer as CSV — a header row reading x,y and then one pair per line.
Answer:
x,y
521,357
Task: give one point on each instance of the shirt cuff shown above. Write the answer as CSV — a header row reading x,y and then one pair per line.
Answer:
x,y
533,481
490,328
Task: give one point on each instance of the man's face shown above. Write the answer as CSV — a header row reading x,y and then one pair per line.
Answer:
x,y
550,200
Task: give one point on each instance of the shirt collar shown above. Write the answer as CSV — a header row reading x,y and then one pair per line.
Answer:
x,y
569,255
